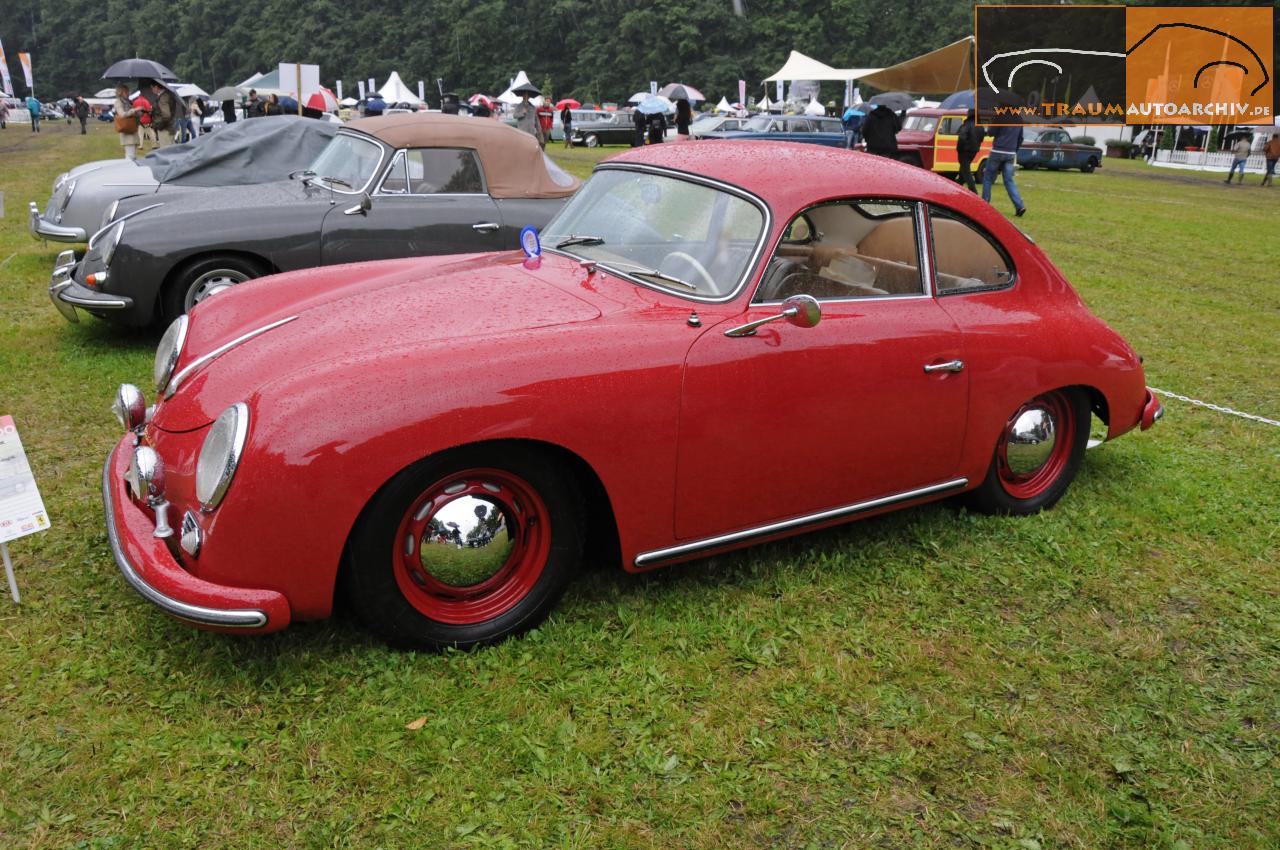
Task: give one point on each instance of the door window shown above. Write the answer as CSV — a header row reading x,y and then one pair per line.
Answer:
x,y
443,171
850,249
965,258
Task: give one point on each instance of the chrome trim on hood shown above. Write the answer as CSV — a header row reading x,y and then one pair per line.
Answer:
x,y
182,373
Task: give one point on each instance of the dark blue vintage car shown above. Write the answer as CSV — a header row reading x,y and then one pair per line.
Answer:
x,y
788,128
1053,148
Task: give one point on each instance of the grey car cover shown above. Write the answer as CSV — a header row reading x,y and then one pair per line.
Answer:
x,y
257,150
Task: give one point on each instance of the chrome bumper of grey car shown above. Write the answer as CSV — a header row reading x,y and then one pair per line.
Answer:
x,y
41,229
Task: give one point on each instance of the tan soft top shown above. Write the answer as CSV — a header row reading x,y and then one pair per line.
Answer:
x,y
513,162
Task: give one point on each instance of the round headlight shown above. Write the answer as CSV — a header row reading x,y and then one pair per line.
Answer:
x,y
109,242
220,455
168,352
130,407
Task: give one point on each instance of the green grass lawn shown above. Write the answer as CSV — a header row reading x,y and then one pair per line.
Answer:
x,y
1105,675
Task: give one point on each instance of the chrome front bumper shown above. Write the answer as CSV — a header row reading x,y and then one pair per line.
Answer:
x,y
41,229
67,294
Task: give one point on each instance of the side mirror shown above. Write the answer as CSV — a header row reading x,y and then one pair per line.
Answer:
x,y
803,311
366,204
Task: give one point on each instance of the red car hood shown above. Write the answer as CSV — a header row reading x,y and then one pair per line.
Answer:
x,y
914,137
343,310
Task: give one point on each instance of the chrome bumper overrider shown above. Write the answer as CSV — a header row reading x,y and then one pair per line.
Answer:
x,y
198,614
66,294
41,229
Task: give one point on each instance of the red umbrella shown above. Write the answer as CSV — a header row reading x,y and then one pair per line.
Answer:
x,y
480,98
569,102
323,100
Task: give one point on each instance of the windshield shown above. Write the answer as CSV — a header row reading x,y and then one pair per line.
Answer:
x,y
759,124
707,121
348,162
924,123
664,232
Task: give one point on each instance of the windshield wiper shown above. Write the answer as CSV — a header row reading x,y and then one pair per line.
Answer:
x,y
337,180
579,240
636,268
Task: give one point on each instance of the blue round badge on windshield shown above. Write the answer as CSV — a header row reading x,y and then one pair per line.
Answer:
x,y
529,242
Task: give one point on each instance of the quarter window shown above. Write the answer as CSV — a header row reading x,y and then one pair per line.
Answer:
x,y
965,258
851,249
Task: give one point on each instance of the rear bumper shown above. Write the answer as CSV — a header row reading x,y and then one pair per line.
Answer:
x,y
150,569
1152,410
41,229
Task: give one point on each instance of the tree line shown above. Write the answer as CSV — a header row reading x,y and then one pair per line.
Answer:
x,y
594,50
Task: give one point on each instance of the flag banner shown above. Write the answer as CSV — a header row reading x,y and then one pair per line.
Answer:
x,y
4,72
25,59
339,82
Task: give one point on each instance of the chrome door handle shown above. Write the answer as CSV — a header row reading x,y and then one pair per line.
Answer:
x,y
486,226
949,366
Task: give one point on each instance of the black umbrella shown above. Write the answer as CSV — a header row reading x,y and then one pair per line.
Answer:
x,y
895,100
138,69
527,88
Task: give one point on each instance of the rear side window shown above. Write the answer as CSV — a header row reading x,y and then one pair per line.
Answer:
x,y
966,258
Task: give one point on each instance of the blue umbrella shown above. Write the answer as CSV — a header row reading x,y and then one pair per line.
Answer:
x,y
962,99
288,104
654,104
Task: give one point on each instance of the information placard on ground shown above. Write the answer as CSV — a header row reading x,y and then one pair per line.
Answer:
x,y
21,508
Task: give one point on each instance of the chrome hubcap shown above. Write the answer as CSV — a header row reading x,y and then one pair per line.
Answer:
x,y
1031,440
211,283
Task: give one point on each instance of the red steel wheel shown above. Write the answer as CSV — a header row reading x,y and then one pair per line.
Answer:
x,y
465,548
1037,455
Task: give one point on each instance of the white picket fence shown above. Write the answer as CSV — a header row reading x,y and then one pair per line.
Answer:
x,y
1204,161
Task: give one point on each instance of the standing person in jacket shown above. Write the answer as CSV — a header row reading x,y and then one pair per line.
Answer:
x,y
1004,158
33,106
546,119
852,121
968,143
880,132
526,116
657,128
1240,150
165,115
228,111
1271,153
82,113
638,123
126,122
566,124
684,117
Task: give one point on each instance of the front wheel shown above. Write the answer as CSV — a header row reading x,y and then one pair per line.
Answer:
x,y
592,140
1037,455
465,548
203,278
1088,167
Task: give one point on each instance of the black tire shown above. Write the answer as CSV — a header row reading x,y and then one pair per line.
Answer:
x,y
911,159
1003,491
591,140
1089,166
192,283
541,528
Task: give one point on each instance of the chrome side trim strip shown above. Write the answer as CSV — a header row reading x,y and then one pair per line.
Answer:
x,y
235,618
647,559
177,379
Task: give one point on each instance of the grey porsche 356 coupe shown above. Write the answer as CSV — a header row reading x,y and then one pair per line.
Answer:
x,y
387,187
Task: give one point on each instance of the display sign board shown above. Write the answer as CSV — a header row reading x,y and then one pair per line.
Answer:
x,y
21,509
301,81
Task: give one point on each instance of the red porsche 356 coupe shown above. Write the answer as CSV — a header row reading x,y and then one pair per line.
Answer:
x,y
435,438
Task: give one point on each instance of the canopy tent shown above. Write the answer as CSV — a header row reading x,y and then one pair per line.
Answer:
x,y
105,93
395,91
941,71
265,84
765,104
801,67
510,98
723,106
252,80
189,90
814,108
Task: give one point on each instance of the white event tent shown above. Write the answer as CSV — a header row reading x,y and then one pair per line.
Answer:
x,y
801,67
395,91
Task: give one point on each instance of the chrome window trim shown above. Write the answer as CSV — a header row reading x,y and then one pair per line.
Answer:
x,y
657,556
402,155
232,618
177,379
397,158
985,234
924,246
750,198
93,240
377,169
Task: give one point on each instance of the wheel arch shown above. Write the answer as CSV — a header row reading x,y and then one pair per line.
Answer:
x,y
181,265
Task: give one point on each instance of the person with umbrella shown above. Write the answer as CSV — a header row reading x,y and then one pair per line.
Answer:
x,y
566,123
1004,159
126,122
639,121
524,113
852,121
968,143
166,113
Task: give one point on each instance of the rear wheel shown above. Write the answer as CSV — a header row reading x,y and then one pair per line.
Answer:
x,y
465,548
1036,456
204,278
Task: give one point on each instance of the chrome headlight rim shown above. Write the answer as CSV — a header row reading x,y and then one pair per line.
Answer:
x,y
130,407
110,241
163,369
234,419
110,214
71,190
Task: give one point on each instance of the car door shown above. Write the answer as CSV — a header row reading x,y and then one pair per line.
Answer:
x,y
429,201
792,421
